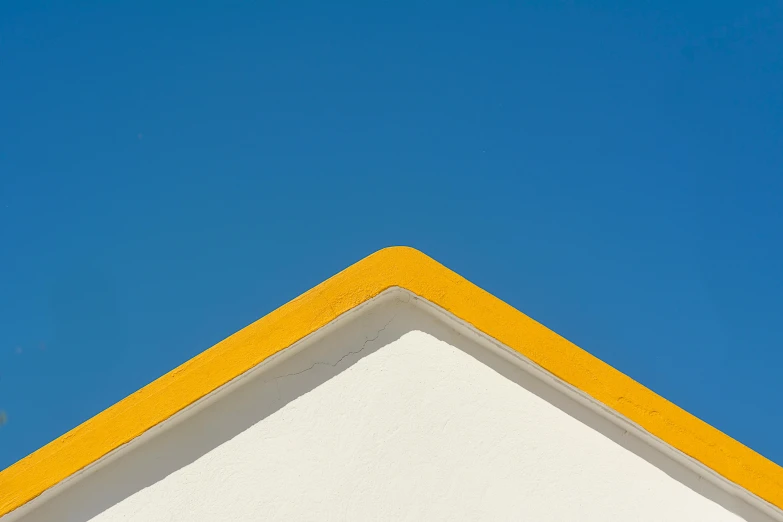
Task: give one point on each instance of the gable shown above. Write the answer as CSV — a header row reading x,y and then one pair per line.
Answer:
x,y
393,414
355,292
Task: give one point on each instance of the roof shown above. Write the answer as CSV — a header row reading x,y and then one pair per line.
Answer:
x,y
409,269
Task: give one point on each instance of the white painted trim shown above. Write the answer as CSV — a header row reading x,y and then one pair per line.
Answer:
x,y
604,411
630,429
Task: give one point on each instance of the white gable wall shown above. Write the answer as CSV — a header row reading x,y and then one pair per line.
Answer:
x,y
392,414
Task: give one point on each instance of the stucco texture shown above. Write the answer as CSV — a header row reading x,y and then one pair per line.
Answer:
x,y
390,416
717,457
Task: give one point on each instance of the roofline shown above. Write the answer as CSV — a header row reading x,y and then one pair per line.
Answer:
x,y
411,270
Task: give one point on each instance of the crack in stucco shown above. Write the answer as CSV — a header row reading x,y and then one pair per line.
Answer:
x,y
352,352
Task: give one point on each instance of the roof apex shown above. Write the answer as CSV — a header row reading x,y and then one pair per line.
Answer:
x,y
411,270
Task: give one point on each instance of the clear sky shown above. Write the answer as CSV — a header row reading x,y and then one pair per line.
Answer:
x,y
168,174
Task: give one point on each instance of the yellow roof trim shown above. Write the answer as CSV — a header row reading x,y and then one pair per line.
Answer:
x,y
392,267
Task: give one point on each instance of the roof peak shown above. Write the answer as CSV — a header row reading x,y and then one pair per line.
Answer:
x,y
414,272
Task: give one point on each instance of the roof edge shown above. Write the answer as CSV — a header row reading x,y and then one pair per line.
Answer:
x,y
412,270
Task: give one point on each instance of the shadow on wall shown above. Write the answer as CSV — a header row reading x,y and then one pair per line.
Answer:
x,y
294,373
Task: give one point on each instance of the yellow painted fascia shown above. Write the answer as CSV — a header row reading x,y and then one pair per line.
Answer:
x,y
392,267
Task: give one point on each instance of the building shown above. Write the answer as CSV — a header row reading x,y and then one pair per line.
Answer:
x,y
396,390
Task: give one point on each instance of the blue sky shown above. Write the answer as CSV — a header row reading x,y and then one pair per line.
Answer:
x,y
168,174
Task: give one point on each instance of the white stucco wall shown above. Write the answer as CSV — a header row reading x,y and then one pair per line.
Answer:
x,y
391,415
